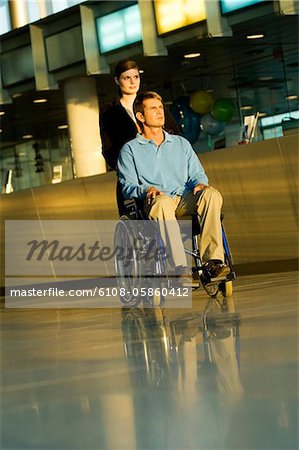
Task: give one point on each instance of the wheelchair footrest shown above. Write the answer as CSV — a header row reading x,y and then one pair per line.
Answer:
x,y
215,280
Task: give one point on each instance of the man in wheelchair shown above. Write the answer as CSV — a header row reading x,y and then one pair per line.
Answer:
x,y
163,170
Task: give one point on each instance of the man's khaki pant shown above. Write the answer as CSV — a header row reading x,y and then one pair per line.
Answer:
x,y
207,205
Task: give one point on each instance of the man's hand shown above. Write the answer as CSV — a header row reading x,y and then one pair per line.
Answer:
x,y
199,187
151,194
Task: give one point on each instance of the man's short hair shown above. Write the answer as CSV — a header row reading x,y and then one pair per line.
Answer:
x,y
138,105
141,96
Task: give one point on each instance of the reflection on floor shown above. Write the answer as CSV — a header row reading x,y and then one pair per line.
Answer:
x,y
222,375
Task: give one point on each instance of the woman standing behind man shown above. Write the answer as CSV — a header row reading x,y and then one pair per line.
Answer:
x,y
118,123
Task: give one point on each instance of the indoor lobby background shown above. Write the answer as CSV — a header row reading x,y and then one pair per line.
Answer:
x,y
57,61
57,76
224,373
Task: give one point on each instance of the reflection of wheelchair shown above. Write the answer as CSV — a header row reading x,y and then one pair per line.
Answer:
x,y
147,345
154,342
134,272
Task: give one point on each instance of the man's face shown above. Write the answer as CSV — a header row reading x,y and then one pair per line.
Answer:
x,y
153,114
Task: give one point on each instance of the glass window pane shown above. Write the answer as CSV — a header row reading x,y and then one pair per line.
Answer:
x,y
4,17
59,5
228,6
74,2
33,10
119,29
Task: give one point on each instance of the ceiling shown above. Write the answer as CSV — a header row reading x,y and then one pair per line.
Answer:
x,y
260,71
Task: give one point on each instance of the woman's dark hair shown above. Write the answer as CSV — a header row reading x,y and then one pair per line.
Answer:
x,y
123,66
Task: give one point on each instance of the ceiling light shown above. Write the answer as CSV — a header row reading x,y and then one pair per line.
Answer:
x,y
141,71
191,55
262,114
246,108
1,130
17,95
27,136
62,127
255,36
40,100
291,97
210,91
265,78
2,113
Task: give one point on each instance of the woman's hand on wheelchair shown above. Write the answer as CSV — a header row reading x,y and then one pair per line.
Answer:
x,y
199,187
151,194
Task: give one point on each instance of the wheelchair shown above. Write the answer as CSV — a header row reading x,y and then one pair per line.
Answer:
x,y
134,273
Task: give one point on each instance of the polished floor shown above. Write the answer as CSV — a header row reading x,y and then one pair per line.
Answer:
x,y
218,376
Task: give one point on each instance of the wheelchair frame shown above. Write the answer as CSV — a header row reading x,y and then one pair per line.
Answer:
x,y
129,277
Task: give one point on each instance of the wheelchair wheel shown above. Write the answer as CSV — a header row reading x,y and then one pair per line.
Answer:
x,y
156,271
226,288
128,266
154,284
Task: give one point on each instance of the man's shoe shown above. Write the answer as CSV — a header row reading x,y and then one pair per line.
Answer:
x,y
215,268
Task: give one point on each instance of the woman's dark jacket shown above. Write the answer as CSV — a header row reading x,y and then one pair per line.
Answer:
x,y
117,128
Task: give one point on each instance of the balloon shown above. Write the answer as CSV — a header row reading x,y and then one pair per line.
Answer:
x,y
223,109
188,122
210,125
201,102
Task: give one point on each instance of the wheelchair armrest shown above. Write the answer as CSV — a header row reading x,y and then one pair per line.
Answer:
x,y
135,208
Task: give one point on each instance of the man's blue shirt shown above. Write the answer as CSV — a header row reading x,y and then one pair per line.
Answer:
x,y
171,167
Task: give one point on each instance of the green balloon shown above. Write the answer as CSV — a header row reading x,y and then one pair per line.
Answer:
x,y
201,102
223,109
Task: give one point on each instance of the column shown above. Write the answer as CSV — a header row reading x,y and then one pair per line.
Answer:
x,y
83,120
43,79
95,63
152,44
18,13
217,25
45,8
4,95
288,7
118,415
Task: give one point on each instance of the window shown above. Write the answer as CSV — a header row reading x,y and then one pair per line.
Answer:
x,y
5,25
119,29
